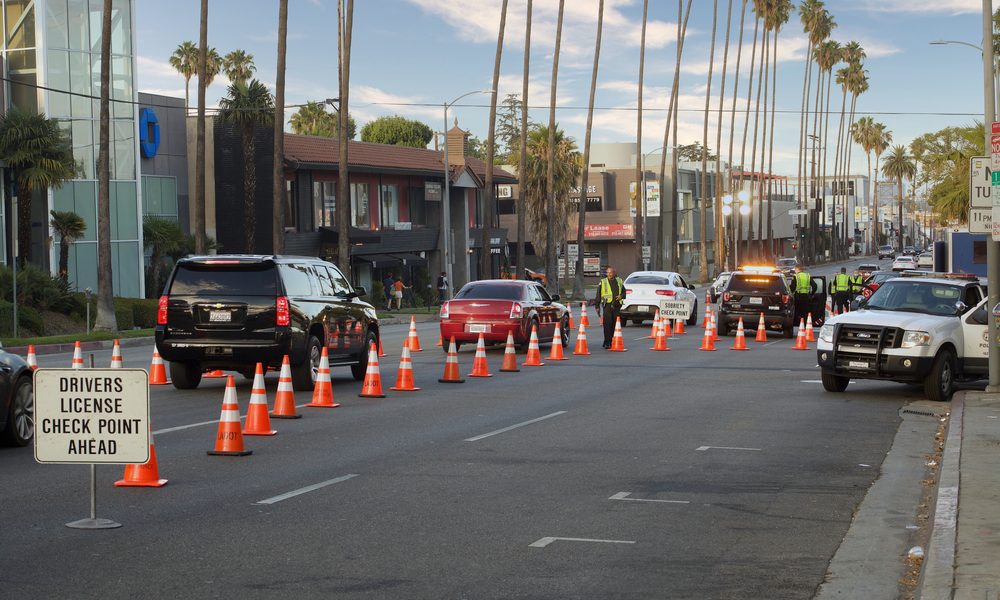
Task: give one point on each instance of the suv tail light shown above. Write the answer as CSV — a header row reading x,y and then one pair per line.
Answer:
x,y
726,297
670,293
161,311
444,310
784,298
282,318
516,310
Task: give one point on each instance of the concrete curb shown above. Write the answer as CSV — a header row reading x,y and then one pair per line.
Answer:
x,y
937,578
85,346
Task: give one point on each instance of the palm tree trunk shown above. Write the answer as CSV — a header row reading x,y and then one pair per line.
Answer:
x,y
524,146
761,226
705,271
582,221
64,245
551,267
640,173
823,182
817,211
200,242
770,151
278,192
878,237
804,119
736,232
187,95
753,145
849,151
249,188
489,192
720,230
106,320
672,110
872,236
344,27
839,181
746,129
899,217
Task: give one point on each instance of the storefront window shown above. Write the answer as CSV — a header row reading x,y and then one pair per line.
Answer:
x,y
359,205
325,203
20,19
390,205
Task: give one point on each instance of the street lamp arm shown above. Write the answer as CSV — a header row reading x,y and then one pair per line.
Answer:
x,y
449,104
946,42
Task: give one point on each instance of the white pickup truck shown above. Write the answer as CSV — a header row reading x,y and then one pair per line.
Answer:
x,y
927,330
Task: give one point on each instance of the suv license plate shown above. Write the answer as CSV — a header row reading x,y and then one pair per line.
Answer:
x,y
756,301
220,316
477,328
857,364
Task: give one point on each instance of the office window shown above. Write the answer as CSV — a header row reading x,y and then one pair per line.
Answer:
x,y
390,205
359,205
290,221
325,203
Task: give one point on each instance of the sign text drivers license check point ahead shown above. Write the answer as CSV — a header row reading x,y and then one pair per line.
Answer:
x,y
91,416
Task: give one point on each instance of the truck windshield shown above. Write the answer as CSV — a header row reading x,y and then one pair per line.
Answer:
x,y
916,296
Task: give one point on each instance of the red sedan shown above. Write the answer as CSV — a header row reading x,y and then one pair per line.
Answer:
x,y
496,307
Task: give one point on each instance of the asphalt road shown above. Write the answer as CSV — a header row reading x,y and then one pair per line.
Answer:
x,y
706,475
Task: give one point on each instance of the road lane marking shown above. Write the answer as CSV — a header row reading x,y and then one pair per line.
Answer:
x,y
625,496
703,448
545,541
506,429
203,423
811,381
307,489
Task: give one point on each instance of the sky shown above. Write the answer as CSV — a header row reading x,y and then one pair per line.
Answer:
x,y
410,56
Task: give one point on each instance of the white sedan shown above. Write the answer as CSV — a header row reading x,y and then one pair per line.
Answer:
x,y
925,259
904,263
645,290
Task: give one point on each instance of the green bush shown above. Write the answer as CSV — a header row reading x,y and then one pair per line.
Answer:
x,y
41,291
144,313
376,296
27,318
123,313
422,294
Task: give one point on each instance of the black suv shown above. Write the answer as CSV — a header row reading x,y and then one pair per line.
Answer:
x,y
750,294
230,312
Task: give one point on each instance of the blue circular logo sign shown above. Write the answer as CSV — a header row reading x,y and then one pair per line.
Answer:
x,y
149,133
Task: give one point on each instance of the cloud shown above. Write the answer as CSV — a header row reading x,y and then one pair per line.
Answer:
x,y
923,6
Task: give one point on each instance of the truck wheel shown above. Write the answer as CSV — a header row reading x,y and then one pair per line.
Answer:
x,y
304,373
185,376
834,383
693,317
359,369
940,382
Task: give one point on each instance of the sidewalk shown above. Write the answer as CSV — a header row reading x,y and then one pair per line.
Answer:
x,y
963,558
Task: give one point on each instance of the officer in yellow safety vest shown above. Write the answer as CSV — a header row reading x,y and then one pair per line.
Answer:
x,y
841,290
857,281
610,296
803,288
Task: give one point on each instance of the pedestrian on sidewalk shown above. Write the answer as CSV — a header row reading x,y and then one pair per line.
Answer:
x,y
442,285
610,296
397,292
387,285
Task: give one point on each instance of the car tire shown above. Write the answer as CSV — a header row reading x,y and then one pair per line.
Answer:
x,y
834,383
788,329
523,346
564,331
693,319
304,373
638,322
185,375
940,382
359,369
723,329
21,418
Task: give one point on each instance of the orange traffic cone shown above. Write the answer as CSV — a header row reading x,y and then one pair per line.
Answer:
x,y
440,343
480,368
534,355
77,362
451,374
761,330
569,308
584,319
741,341
116,356
556,349
258,423
216,374
284,399
707,341
581,341
146,474
655,329
800,339
381,352
715,327
157,370
810,335
229,439
371,387
411,339
661,337
32,359
708,317
666,327
617,341
404,377
323,388
509,356
679,327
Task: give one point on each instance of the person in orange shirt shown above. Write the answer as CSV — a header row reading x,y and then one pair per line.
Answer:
x,y
397,292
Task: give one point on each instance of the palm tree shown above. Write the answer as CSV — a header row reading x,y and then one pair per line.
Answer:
x,y
39,154
551,268
839,178
881,139
522,156
821,30
640,174
70,227
184,60
759,12
247,107
857,81
162,237
827,56
782,10
703,229
106,319
278,155
345,26
810,12
199,161
746,125
489,204
547,208
582,213
238,66
736,231
899,165
214,66
862,133
720,240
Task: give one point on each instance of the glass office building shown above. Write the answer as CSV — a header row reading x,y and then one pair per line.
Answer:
x,y
52,61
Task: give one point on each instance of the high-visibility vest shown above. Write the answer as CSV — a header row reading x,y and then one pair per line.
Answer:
x,y
856,282
606,296
803,283
841,283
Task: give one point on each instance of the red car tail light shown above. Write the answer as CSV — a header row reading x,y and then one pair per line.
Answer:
x,y
516,310
161,311
282,317
784,298
670,293
627,291
444,311
726,296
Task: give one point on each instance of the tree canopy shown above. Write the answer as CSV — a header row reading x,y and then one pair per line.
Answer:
x,y
397,131
313,119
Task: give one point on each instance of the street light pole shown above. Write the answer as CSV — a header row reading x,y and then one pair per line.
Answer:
x,y
992,248
642,214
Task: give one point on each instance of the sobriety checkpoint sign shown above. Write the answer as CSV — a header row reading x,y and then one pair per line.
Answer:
x,y
91,416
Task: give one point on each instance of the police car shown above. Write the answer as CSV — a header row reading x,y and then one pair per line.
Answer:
x,y
927,328
756,291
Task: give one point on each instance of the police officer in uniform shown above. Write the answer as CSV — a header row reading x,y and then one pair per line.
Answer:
x,y
841,290
610,295
856,282
803,288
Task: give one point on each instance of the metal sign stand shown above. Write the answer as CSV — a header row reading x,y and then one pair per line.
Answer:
x,y
93,522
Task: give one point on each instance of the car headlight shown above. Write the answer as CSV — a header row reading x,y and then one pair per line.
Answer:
x,y
912,339
826,333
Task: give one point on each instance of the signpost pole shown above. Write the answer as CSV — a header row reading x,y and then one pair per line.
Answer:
x,y
992,249
93,522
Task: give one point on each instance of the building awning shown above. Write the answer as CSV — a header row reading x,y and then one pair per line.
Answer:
x,y
410,260
377,261
355,235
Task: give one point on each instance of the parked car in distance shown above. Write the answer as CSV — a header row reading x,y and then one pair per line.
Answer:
x,y
17,401
645,289
496,307
787,265
925,260
910,251
886,252
904,263
229,312
866,269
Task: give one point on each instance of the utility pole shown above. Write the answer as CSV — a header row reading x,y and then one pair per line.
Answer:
x,y
992,247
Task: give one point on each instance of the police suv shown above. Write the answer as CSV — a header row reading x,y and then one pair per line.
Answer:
x,y
928,329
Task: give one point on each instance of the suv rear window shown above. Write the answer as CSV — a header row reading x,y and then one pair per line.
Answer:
x,y
490,291
650,279
228,280
755,283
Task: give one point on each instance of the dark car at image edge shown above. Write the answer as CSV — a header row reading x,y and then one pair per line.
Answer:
x,y
17,401
230,312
